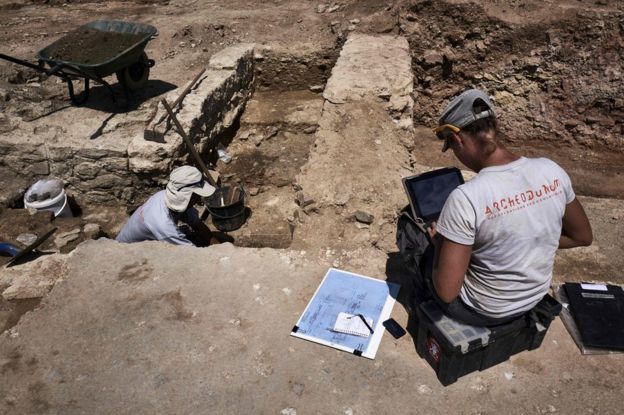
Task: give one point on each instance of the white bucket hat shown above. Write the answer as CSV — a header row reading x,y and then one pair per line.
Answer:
x,y
183,182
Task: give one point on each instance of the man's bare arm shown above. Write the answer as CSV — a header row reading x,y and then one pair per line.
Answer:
x,y
576,230
450,264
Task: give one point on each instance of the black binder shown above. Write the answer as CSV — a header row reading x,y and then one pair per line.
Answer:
x,y
598,313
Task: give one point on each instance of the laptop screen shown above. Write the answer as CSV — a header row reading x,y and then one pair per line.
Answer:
x,y
428,191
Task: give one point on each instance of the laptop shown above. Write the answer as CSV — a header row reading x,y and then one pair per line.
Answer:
x,y
598,311
428,192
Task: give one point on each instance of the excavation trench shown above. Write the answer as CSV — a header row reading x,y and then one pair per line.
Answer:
x,y
266,146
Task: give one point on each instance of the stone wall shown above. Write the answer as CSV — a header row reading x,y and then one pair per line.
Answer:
x,y
211,107
104,157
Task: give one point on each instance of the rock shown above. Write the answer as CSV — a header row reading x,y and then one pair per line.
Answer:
x,y
504,98
303,200
257,139
92,231
592,120
342,197
333,8
64,238
87,170
26,238
317,88
432,58
354,21
310,130
254,191
406,124
310,209
603,121
271,132
570,124
321,8
407,142
364,217
40,169
399,104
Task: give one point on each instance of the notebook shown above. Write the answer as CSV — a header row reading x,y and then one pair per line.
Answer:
x,y
428,192
353,324
598,311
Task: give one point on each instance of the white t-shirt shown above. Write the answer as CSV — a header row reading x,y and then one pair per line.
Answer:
x,y
154,221
511,215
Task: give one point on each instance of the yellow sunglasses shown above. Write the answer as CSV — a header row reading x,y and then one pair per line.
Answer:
x,y
444,132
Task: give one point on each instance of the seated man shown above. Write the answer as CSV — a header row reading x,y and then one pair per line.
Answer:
x,y
495,241
158,218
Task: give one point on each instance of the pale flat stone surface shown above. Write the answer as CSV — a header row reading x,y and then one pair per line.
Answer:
x,y
370,65
231,57
153,328
358,159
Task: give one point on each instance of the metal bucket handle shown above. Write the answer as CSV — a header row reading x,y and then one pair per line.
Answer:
x,y
244,194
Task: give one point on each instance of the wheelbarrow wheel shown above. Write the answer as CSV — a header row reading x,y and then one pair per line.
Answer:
x,y
136,75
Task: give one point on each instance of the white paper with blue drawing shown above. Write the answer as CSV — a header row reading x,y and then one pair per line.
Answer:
x,y
346,292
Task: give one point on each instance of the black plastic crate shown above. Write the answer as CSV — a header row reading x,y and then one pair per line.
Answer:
x,y
454,349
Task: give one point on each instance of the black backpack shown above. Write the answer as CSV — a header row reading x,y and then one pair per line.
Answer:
x,y
412,240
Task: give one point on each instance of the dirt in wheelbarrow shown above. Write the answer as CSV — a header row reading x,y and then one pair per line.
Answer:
x,y
90,46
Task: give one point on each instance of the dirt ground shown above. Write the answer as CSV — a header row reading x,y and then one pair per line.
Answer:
x,y
553,67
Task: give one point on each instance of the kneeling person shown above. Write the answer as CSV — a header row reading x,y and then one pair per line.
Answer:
x,y
158,218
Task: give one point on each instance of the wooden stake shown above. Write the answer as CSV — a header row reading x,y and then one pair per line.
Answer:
x,y
189,143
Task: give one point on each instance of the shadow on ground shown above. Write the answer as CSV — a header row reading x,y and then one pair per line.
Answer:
x,y
397,272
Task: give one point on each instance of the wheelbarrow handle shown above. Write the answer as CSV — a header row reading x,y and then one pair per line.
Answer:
x,y
22,62
55,69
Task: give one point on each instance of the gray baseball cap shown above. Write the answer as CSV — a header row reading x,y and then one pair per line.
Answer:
x,y
460,111
183,182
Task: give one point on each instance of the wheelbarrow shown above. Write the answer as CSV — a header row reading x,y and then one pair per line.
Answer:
x,y
130,65
7,249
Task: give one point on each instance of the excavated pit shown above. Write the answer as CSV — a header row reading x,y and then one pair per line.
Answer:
x,y
268,141
272,140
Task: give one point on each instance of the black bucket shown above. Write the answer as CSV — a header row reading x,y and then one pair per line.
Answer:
x,y
227,208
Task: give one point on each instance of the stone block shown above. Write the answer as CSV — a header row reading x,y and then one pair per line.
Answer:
x,y
214,101
233,57
116,164
87,170
41,168
370,65
109,181
150,158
